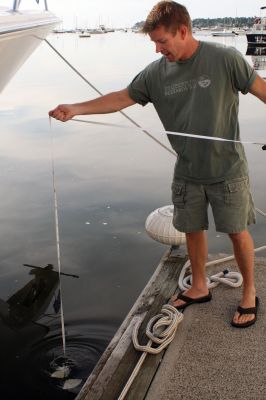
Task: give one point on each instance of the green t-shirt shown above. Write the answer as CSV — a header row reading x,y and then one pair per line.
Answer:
x,y
199,96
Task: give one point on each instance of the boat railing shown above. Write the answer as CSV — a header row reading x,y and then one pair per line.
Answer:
x,y
258,27
16,4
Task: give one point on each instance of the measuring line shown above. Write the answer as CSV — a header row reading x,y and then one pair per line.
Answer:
x,y
163,132
57,242
137,126
101,94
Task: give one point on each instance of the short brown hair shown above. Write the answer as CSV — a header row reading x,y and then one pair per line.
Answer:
x,y
169,14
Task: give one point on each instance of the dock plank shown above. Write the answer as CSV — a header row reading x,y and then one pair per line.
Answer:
x,y
118,361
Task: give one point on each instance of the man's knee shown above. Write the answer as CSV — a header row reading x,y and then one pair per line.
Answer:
x,y
238,237
196,236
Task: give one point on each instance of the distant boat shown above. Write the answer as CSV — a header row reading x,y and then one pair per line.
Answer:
x,y
224,33
59,30
257,36
99,30
20,33
102,29
84,35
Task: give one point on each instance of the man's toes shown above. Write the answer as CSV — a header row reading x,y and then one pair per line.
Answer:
x,y
174,301
241,319
173,298
177,303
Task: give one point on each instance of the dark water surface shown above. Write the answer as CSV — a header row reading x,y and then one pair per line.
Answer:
x,y
108,181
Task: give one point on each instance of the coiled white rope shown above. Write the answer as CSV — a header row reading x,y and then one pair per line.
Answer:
x,y
160,330
170,317
233,279
230,278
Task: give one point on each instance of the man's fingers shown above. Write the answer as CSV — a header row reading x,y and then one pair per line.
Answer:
x,y
60,113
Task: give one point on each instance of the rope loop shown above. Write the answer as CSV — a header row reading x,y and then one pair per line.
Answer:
x,y
230,278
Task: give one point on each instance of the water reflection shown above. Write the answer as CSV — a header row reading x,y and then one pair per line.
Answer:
x,y
30,335
29,303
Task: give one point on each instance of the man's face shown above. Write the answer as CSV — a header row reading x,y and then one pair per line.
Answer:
x,y
170,45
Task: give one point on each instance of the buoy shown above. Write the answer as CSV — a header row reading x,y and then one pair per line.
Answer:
x,y
159,226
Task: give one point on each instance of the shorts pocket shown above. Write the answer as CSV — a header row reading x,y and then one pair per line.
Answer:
x,y
178,194
237,192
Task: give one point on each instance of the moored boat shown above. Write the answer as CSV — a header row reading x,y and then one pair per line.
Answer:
x,y
224,33
21,31
84,35
257,36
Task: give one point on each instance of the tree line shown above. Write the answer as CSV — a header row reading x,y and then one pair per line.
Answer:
x,y
212,22
225,22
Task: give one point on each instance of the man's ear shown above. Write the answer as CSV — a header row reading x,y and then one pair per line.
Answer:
x,y
183,31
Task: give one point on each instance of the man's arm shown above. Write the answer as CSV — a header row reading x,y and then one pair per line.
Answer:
x,y
109,103
258,88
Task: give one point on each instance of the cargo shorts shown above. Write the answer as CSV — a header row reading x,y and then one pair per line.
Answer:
x,y
231,203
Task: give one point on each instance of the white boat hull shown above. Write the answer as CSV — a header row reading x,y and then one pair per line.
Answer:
x,y
20,34
224,34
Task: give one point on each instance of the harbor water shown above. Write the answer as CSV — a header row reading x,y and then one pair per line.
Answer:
x,y
108,180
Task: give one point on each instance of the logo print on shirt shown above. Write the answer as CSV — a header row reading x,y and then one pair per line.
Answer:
x,y
180,87
204,81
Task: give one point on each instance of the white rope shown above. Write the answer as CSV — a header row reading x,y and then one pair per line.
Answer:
x,y
165,132
233,279
170,317
101,94
160,330
58,244
230,278
261,212
136,125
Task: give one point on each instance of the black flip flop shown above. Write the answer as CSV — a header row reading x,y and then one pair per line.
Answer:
x,y
242,311
188,300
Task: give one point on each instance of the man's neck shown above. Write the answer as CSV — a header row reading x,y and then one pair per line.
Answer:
x,y
191,48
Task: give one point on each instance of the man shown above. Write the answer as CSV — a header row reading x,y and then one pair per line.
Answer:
x,y
194,88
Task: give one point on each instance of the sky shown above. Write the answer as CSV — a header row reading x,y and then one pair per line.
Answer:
x,y
125,13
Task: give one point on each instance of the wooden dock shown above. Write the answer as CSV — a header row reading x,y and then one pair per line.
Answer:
x,y
207,358
119,359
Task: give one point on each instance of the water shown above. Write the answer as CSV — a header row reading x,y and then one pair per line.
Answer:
x,y
108,181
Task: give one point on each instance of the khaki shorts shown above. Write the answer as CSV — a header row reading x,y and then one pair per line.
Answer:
x,y
231,202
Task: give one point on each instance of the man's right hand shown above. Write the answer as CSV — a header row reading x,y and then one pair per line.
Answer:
x,y
108,103
63,112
